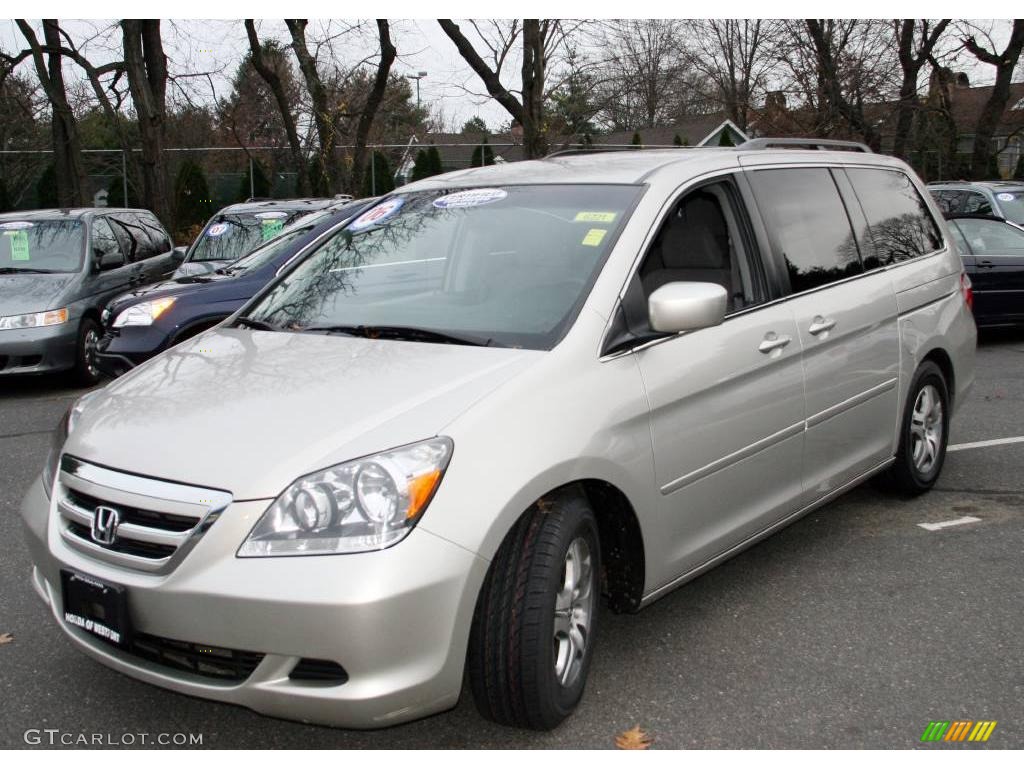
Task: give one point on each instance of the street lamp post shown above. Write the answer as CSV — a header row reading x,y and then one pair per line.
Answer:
x,y
417,77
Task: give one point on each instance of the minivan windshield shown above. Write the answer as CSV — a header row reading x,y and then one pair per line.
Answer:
x,y
503,266
41,245
232,235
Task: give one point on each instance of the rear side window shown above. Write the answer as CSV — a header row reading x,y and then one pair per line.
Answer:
x,y
899,222
158,237
991,238
808,225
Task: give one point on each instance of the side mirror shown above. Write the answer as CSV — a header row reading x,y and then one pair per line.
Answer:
x,y
178,254
676,307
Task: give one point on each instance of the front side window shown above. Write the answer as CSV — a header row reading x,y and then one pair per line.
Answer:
x,y
976,203
506,266
232,235
899,222
808,225
41,245
991,238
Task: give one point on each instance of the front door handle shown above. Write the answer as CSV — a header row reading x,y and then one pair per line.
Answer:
x,y
821,324
986,263
772,341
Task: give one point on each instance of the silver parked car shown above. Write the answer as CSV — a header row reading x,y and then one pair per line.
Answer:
x,y
456,423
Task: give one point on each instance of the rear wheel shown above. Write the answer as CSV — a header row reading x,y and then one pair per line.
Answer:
x,y
87,372
924,433
533,632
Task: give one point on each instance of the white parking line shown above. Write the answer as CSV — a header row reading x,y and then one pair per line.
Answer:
x,y
985,443
949,523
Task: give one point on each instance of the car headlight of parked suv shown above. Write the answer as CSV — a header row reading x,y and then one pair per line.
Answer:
x,y
357,506
143,313
34,320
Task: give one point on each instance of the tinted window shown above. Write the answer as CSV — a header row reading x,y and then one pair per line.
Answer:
x,y
899,222
103,240
41,245
991,238
133,236
808,225
976,203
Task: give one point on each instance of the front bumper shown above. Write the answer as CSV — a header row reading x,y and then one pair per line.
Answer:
x,y
38,350
122,349
397,620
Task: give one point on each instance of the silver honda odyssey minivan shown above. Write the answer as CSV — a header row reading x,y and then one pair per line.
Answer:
x,y
502,401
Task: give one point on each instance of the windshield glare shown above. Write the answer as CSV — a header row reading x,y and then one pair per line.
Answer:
x,y
55,245
233,235
1012,204
511,265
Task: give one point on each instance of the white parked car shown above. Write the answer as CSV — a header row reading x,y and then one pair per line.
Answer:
x,y
444,433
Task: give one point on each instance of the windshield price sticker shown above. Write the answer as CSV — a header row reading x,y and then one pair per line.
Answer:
x,y
270,228
378,214
16,225
595,217
19,245
217,230
470,198
1006,197
271,215
594,237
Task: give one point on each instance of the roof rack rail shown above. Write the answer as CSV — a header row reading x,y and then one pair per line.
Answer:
x,y
767,143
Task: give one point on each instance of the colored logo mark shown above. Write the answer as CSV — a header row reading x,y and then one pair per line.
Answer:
x,y
958,730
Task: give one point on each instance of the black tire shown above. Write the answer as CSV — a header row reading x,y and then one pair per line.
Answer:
x,y
86,373
513,646
908,476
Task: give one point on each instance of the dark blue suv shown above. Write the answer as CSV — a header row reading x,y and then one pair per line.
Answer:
x,y
142,323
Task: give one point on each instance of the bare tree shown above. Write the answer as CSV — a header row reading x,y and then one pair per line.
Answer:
x,y
373,102
72,182
737,57
1004,62
537,39
915,41
146,67
267,69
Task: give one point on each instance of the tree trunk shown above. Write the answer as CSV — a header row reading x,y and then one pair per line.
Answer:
x,y
146,67
324,183
373,102
911,64
273,81
535,142
994,108
72,182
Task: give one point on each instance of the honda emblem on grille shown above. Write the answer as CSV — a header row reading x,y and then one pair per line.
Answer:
x,y
104,525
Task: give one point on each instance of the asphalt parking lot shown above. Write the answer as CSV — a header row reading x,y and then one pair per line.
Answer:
x,y
852,628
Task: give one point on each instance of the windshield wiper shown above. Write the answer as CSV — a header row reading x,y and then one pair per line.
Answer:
x,y
256,325
12,270
400,332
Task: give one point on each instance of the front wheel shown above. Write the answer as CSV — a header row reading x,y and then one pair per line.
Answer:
x,y
87,371
533,632
924,433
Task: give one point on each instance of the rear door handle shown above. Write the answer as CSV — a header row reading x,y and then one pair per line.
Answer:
x,y
821,324
772,341
986,263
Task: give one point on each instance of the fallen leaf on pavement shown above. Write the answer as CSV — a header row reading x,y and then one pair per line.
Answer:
x,y
634,738
6,638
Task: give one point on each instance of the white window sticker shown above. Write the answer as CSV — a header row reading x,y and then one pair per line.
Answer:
x,y
16,225
217,230
1006,197
378,214
271,215
470,198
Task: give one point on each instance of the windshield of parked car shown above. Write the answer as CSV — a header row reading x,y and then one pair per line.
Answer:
x,y
45,245
1012,205
232,235
505,266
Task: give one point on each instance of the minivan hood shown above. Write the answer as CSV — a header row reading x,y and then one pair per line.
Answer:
x,y
33,292
250,411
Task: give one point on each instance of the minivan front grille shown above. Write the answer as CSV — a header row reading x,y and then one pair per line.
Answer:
x,y
132,521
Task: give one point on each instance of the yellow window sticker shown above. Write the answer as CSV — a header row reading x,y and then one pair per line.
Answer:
x,y
596,216
19,245
594,237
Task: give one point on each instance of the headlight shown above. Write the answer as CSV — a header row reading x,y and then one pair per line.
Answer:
x,y
34,320
57,440
143,313
359,506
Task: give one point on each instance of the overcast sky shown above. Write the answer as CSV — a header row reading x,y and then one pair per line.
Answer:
x,y
218,45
